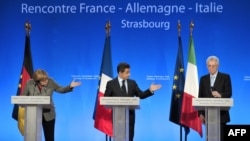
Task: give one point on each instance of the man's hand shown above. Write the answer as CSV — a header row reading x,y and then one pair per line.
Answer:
x,y
154,87
203,120
216,94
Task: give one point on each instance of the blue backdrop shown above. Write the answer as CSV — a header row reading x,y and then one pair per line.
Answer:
x,y
67,40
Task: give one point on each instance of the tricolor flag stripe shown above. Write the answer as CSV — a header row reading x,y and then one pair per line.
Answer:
x,y
102,115
191,83
26,74
104,79
189,115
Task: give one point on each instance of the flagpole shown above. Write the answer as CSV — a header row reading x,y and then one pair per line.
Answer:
x,y
179,34
108,138
191,27
107,29
185,136
27,28
191,32
180,132
101,115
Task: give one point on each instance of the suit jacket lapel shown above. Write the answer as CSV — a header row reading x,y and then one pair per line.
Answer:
x,y
217,79
208,85
129,85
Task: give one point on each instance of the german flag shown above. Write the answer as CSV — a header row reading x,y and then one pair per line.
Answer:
x,y
26,74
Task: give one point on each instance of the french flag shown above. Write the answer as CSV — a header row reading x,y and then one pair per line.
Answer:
x,y
103,116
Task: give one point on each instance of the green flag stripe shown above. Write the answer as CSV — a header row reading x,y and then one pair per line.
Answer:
x,y
191,54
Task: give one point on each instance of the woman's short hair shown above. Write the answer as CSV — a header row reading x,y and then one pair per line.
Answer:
x,y
40,75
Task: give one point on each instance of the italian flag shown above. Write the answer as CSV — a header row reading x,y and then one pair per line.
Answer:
x,y
189,115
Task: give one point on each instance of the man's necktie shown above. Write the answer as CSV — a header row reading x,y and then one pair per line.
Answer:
x,y
124,87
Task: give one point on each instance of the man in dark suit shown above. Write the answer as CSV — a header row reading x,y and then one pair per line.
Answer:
x,y
115,88
215,85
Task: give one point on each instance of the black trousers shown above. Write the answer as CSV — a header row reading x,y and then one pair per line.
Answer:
x,y
48,129
222,128
131,124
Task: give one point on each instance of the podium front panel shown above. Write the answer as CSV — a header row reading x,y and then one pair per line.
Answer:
x,y
121,123
212,115
33,123
120,108
212,107
33,115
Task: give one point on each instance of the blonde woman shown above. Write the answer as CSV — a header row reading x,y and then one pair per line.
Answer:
x,y
42,85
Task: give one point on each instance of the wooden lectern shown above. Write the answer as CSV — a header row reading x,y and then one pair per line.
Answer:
x,y
33,115
120,108
212,107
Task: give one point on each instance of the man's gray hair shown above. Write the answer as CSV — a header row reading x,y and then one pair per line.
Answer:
x,y
213,58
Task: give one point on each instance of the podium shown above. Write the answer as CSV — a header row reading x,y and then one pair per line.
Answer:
x,y
120,109
212,107
33,115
